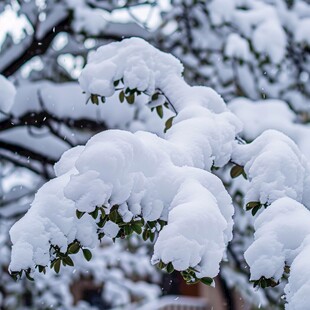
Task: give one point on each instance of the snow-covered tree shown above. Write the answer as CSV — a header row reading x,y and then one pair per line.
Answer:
x,y
164,188
44,116
255,49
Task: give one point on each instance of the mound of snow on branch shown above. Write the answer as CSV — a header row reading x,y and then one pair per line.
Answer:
x,y
140,176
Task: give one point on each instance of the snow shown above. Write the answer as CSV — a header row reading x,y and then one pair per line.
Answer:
x,y
237,47
302,32
258,116
196,225
144,175
50,218
143,70
86,19
275,168
7,94
269,38
282,238
297,289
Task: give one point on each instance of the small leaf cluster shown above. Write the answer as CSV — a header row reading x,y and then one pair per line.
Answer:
x,y
64,259
129,95
16,275
189,275
254,207
95,99
160,108
137,225
151,228
59,258
264,282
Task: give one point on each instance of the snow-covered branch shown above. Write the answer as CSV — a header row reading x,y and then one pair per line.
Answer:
x,y
139,182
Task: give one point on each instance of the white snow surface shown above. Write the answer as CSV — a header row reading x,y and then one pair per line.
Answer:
x,y
141,67
145,175
275,168
7,94
258,116
282,235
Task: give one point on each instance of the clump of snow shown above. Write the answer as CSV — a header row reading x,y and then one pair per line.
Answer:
x,y
195,222
141,65
51,219
86,19
302,32
275,168
297,289
270,38
237,47
282,235
141,174
7,94
258,116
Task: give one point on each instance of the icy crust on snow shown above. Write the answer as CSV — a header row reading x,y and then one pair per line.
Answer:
x,y
141,65
7,94
143,174
282,235
275,168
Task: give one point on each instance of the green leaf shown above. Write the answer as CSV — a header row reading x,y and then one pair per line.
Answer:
x,y
145,234
255,209
152,236
68,261
57,265
252,204
42,269
95,213
155,96
102,222
103,99
79,214
170,268
137,228
87,254
206,281
236,171
28,276
74,248
168,123
160,111
121,96
115,217
116,83
94,99
103,215
130,99
128,230
161,265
